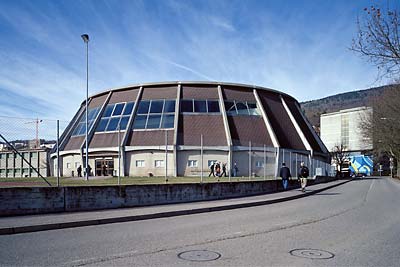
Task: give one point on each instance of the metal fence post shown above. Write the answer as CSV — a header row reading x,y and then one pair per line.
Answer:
x,y
290,160
58,153
249,160
265,163
119,155
201,158
166,155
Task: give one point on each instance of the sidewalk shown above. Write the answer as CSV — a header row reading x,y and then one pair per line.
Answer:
x,y
34,223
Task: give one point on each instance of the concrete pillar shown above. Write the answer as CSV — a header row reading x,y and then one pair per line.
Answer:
x,y
226,127
176,125
128,131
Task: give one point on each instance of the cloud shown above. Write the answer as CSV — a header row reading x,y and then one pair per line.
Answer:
x,y
300,50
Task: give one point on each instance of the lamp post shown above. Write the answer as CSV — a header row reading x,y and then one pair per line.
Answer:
x,y
85,38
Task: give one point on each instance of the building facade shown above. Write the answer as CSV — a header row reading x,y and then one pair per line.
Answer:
x,y
25,164
180,128
343,127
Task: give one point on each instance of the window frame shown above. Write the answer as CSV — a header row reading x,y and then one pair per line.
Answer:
x,y
111,116
140,161
259,164
192,165
149,115
162,165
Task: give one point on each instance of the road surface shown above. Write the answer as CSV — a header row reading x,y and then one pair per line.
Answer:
x,y
356,224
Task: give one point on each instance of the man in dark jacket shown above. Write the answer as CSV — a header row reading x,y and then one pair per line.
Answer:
x,y
285,174
303,174
212,169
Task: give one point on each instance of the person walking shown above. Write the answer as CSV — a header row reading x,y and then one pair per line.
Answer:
x,y
212,169
223,174
79,171
217,169
303,174
285,175
89,170
104,167
235,170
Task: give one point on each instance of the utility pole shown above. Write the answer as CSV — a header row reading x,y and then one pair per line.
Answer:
x,y
85,38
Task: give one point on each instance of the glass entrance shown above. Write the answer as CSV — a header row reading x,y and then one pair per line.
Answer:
x,y
104,167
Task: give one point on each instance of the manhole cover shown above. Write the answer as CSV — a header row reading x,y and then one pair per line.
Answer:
x,y
199,255
312,253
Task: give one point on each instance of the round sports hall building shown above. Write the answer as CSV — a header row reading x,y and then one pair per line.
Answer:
x,y
181,128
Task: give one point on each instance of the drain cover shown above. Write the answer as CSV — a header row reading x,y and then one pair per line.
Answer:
x,y
312,253
199,255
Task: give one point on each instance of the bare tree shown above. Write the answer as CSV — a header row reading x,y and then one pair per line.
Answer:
x,y
383,128
339,156
378,39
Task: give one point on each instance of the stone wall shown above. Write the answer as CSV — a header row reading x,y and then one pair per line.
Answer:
x,y
36,200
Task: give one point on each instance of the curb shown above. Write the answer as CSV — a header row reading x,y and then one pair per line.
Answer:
x,y
64,225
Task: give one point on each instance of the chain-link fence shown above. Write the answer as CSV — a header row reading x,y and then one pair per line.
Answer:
x,y
28,148
200,156
26,145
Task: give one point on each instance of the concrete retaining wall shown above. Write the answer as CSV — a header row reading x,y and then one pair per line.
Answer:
x,y
36,200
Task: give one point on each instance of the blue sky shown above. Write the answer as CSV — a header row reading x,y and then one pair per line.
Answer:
x,y
299,47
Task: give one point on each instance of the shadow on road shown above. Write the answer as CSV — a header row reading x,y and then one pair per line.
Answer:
x,y
327,194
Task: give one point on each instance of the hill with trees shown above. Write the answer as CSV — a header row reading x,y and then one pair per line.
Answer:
x,y
314,108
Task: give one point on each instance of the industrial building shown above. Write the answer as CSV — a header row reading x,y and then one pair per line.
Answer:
x,y
26,163
345,128
180,128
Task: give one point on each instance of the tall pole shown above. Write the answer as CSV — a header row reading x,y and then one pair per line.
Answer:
x,y
119,154
85,38
58,153
201,159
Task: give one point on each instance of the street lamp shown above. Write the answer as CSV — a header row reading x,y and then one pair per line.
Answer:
x,y
85,38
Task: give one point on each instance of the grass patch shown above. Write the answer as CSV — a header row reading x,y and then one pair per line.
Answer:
x,y
35,181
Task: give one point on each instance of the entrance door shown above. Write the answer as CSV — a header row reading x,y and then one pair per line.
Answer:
x,y
104,167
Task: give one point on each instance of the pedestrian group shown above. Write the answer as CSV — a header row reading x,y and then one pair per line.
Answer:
x,y
302,176
217,169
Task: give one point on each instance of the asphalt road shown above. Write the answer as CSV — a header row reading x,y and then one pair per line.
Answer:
x,y
356,224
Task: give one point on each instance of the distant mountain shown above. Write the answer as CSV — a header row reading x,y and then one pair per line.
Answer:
x,y
314,108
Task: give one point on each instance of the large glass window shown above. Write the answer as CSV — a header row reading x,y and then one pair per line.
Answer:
x,y
199,106
155,114
253,109
118,109
241,108
128,108
153,121
169,106
115,117
168,121
80,129
113,124
213,106
187,106
143,107
140,122
156,106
